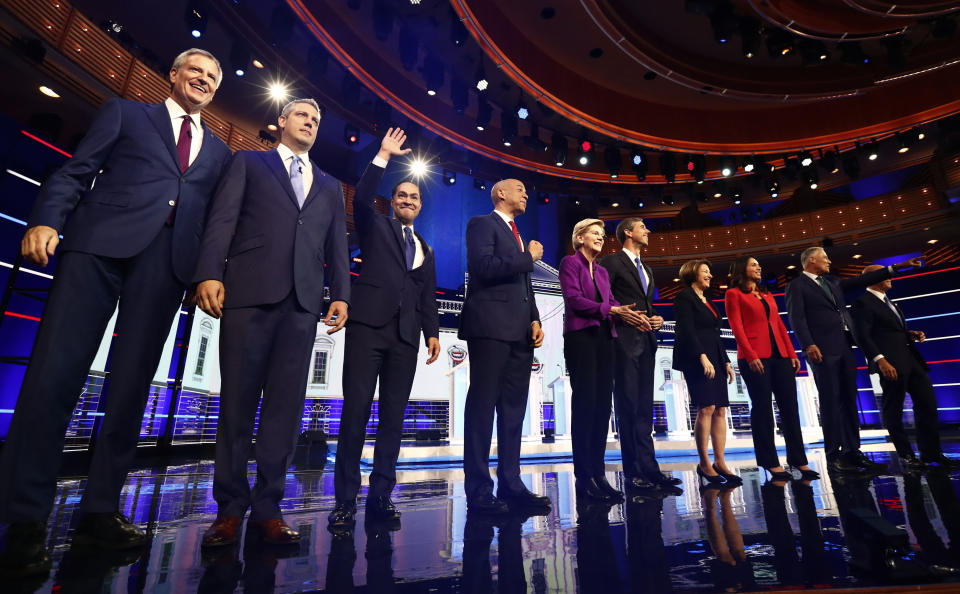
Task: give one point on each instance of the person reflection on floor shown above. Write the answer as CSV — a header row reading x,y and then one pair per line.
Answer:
x,y
477,536
596,563
379,558
814,568
257,572
933,550
83,569
340,562
730,568
646,555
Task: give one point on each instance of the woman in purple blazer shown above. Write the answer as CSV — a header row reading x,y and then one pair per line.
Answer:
x,y
588,334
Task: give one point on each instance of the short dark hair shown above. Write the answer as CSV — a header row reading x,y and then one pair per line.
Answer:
x,y
393,192
625,224
689,270
738,274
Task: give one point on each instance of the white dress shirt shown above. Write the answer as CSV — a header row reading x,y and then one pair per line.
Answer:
x,y
508,219
882,297
287,154
176,119
633,259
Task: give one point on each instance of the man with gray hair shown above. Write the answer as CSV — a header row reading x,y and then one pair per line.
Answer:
x,y
132,238
819,318
277,229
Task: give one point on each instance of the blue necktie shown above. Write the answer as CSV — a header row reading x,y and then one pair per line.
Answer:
x,y
409,248
643,277
893,309
296,179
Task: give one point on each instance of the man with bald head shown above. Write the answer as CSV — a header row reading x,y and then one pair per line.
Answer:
x,y
819,318
501,325
888,345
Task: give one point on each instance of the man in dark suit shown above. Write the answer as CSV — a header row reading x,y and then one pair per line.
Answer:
x,y
131,238
888,345
276,222
635,348
501,325
819,318
392,302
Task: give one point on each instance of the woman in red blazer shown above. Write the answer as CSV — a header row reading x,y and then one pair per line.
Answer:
x,y
768,365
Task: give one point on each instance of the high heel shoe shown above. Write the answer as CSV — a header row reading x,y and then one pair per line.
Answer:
x,y
733,479
715,480
782,475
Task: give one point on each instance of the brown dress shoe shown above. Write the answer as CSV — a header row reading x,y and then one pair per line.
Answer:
x,y
225,530
276,531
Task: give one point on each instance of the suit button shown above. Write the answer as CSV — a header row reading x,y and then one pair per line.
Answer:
x,y
171,203
183,179
299,221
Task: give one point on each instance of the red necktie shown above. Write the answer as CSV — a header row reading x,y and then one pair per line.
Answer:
x,y
516,234
183,144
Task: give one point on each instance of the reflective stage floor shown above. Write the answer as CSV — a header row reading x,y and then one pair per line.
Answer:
x,y
824,534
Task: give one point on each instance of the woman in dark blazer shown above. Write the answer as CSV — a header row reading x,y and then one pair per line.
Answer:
x,y
768,365
698,352
588,334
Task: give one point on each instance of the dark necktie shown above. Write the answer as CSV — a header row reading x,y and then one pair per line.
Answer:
x,y
516,234
409,248
823,285
893,308
183,144
643,277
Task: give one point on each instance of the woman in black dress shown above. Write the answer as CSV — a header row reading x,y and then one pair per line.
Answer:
x,y
698,352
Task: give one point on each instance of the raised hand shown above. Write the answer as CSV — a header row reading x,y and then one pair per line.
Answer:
x,y
392,144
536,250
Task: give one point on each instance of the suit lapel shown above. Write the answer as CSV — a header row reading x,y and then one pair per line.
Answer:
x,y
397,228
505,229
160,117
314,187
276,165
819,290
633,272
206,147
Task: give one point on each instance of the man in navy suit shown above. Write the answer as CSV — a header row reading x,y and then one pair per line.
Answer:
x,y
501,325
392,302
131,237
888,345
276,221
819,318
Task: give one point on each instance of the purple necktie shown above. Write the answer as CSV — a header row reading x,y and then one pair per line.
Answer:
x,y
183,144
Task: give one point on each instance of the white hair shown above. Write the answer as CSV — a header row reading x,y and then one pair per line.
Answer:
x,y
807,254
194,51
289,106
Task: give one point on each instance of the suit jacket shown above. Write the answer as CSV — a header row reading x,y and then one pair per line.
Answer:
x,y
626,288
581,308
385,288
697,332
262,245
817,319
751,325
500,303
130,151
880,331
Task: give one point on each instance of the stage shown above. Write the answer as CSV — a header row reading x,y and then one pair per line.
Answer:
x,y
755,537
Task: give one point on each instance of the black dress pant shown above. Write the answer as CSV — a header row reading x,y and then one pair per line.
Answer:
x,y
836,379
778,380
264,350
85,291
633,400
589,357
372,353
915,380
499,382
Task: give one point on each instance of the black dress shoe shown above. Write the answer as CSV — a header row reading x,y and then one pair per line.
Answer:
x,y
665,479
523,499
109,531
865,462
341,519
843,465
488,505
910,463
610,489
589,489
942,462
25,553
638,483
382,508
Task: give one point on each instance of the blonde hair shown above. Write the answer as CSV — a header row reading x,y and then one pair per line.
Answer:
x,y
581,228
690,270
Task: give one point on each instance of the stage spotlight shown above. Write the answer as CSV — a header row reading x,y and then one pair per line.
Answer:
x,y
433,73
779,43
697,167
811,179
278,91
481,78
522,111
637,157
750,31
728,166
479,184
239,58
418,167
873,150
559,144
723,23
611,156
449,177
508,127
773,188
484,113
917,133
667,200
585,152
904,142
851,165
813,51
636,203
828,161
668,166
736,195
852,53
640,165
459,94
749,163
350,135
543,198
718,189
805,158
196,19
532,139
